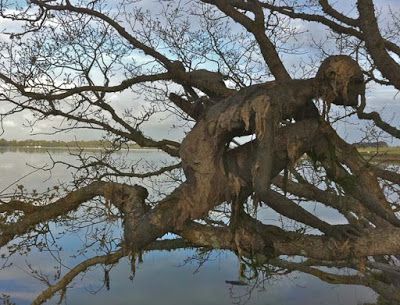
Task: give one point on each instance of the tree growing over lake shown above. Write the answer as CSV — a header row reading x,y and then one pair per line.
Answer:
x,y
258,118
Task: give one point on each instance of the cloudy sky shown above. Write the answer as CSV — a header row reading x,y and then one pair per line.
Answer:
x,y
383,99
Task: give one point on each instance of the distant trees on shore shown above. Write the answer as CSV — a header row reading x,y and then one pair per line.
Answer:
x,y
59,144
371,144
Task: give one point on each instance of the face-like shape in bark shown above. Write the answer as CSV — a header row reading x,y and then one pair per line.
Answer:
x,y
340,80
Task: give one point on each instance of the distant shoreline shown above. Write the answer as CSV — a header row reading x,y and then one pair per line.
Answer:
x,y
373,154
380,154
63,145
66,148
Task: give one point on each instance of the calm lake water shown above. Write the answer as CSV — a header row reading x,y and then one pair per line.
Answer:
x,y
164,277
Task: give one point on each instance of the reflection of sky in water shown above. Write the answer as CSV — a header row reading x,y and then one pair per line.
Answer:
x,y
162,278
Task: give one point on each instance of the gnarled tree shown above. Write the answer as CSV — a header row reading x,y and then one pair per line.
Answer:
x,y
219,68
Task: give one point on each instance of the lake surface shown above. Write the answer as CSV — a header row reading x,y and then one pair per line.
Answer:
x,y
163,277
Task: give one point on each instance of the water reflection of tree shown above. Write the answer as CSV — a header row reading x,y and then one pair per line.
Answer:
x,y
381,274
112,206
